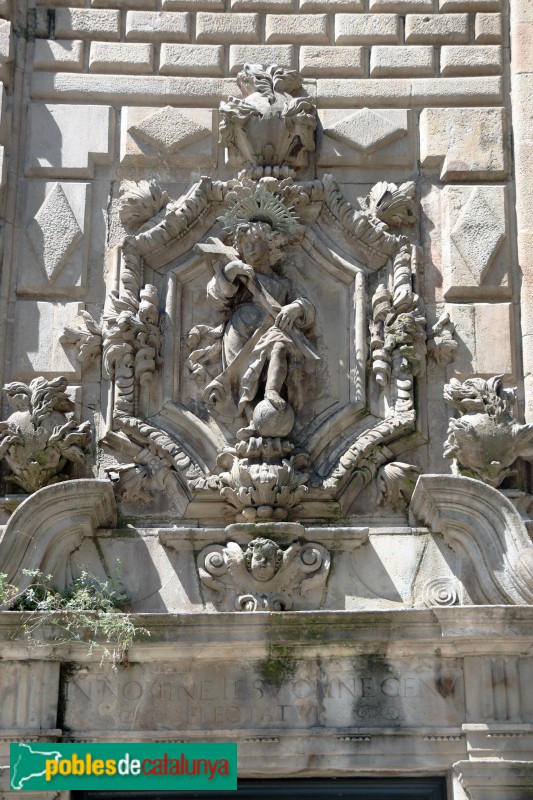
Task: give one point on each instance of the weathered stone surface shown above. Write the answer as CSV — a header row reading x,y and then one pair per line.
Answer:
x,y
82,23
151,134
68,141
471,60
331,61
33,320
54,232
433,29
147,26
189,59
227,29
241,54
395,62
368,130
473,321
367,29
467,143
53,247
488,28
57,54
367,138
304,29
115,57
474,257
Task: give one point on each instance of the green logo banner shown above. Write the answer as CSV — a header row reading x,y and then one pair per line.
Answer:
x,y
50,767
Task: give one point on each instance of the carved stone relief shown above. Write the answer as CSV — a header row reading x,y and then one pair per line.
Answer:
x,y
259,399
264,576
40,437
486,440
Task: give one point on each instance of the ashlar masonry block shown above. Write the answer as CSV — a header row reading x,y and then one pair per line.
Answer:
x,y
227,28
263,6
400,62
191,59
84,23
367,29
331,62
53,244
121,57
470,5
466,143
241,54
437,29
58,55
6,51
302,29
367,138
34,320
488,28
476,324
68,140
401,6
471,60
193,5
150,26
151,136
330,6
475,242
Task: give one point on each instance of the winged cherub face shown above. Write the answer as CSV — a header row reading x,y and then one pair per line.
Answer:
x,y
263,559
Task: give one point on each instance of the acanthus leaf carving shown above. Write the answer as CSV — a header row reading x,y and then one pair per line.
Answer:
x,y
264,576
87,339
394,206
270,126
140,202
41,437
396,483
486,439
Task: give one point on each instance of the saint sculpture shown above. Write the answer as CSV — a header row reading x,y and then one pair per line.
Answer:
x,y
263,338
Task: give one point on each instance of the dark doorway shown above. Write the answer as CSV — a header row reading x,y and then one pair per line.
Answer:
x,y
325,789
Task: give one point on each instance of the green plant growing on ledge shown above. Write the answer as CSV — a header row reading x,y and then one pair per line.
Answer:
x,y
89,610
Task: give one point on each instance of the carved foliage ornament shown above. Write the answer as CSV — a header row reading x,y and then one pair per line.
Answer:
x,y
270,125
268,269
40,437
486,439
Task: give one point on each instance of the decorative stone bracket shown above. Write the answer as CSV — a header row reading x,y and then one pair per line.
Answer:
x,y
485,529
44,530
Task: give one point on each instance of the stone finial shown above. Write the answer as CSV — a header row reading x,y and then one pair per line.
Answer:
x,y
40,437
486,440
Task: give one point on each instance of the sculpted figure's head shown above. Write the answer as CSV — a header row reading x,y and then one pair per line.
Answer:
x,y
263,559
259,244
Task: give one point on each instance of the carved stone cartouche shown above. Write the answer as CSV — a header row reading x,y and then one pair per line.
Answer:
x,y
40,437
486,440
278,343
270,126
263,576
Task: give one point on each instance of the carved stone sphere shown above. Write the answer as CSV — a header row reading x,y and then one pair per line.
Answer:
x,y
270,421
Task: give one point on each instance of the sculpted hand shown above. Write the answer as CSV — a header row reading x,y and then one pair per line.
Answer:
x,y
238,269
288,316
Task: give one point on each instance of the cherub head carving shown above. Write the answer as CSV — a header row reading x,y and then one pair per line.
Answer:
x,y
263,559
